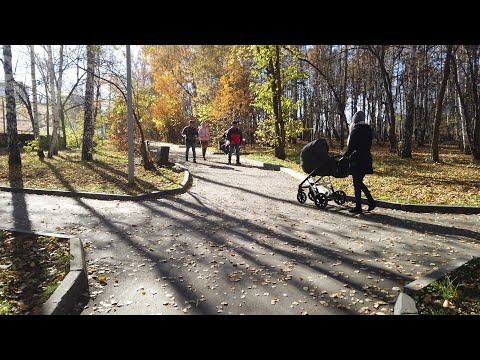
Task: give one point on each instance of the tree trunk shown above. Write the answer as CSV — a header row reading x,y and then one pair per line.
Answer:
x,y
53,149
472,56
406,151
380,55
474,148
36,129
12,135
465,147
438,112
87,144
48,113
61,115
280,150
342,105
147,162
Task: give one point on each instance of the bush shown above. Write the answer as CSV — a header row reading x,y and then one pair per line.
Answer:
x,y
31,145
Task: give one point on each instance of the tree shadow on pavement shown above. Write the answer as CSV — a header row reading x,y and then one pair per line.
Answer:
x,y
417,225
244,232
20,210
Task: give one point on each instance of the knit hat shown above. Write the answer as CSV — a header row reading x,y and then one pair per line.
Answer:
x,y
359,116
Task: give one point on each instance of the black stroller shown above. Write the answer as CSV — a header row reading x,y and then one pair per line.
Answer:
x,y
315,161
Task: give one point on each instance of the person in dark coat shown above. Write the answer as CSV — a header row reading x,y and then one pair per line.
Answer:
x,y
190,134
358,149
234,136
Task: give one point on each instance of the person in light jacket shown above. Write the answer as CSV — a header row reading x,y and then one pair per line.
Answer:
x,y
203,136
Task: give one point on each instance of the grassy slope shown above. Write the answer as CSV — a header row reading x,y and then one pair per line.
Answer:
x,y
108,173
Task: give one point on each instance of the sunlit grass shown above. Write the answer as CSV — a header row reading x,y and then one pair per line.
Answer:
x,y
108,173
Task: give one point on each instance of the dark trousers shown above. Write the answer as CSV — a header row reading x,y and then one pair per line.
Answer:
x,y
359,186
188,145
237,152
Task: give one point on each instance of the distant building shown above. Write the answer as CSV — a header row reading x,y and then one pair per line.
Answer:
x,y
24,123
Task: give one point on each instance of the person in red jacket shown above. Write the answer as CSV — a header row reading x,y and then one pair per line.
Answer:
x,y
234,136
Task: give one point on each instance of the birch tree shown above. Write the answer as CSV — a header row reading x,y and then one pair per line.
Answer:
x,y
36,129
438,112
406,148
88,129
53,149
12,135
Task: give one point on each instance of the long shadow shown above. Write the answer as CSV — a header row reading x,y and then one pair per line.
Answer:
x,y
185,292
221,167
122,236
416,225
24,245
219,242
225,218
129,189
125,175
238,188
125,187
20,210
121,185
326,253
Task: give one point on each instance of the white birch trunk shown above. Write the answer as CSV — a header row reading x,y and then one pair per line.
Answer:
x,y
87,144
36,129
53,150
12,135
59,92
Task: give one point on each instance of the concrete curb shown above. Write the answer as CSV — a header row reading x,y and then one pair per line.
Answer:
x,y
423,208
418,285
418,208
186,183
72,287
41,233
405,305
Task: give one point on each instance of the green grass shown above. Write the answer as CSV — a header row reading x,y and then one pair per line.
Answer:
x,y
107,173
461,288
446,288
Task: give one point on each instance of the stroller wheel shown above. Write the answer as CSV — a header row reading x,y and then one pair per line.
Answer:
x,y
301,197
321,200
311,195
339,197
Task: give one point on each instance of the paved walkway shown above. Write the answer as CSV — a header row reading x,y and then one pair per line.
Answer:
x,y
238,242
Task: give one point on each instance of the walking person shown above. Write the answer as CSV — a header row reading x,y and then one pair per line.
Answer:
x,y
203,136
234,136
359,144
190,133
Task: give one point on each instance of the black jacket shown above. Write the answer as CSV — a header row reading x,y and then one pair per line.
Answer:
x,y
359,145
234,135
190,133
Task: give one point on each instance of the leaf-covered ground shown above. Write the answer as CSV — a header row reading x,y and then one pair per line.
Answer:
x,y
31,268
453,181
459,294
108,173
